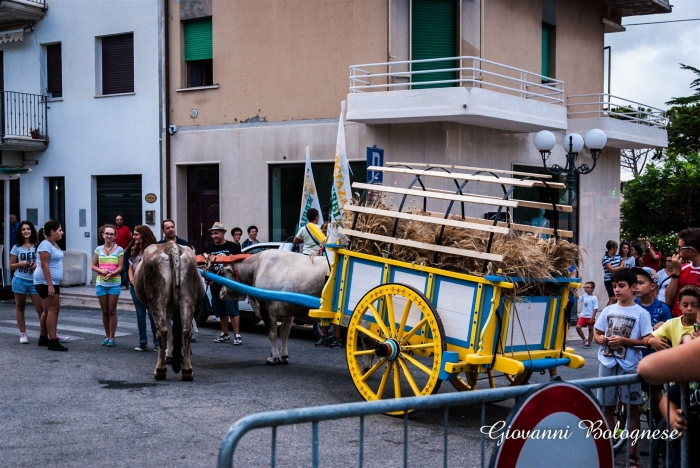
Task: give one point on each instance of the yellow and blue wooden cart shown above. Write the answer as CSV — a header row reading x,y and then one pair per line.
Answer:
x,y
410,326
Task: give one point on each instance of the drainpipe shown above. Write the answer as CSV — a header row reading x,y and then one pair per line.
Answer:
x,y
166,101
609,63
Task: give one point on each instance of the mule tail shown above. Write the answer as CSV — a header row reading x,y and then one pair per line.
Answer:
x,y
177,318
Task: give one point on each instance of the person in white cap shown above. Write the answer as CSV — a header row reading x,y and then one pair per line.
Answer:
x,y
223,309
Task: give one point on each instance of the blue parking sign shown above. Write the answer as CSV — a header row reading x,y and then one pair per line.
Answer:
x,y
375,157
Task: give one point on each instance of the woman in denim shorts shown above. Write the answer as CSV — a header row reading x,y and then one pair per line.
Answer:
x,y
107,263
47,277
23,263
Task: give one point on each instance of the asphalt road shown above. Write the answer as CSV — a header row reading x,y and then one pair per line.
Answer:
x,y
98,406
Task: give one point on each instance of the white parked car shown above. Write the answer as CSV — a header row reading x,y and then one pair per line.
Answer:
x,y
248,316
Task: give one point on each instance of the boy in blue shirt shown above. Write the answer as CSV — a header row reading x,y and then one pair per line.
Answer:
x,y
647,280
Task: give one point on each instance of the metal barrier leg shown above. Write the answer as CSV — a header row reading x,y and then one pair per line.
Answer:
x,y
685,407
273,452
314,430
444,442
362,441
483,435
405,440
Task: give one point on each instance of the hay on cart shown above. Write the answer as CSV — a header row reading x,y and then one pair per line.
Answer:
x,y
525,255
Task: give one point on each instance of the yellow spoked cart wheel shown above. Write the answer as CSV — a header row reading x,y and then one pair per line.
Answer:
x,y
395,344
470,380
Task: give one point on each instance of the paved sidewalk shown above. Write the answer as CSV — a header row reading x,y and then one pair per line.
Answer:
x,y
84,296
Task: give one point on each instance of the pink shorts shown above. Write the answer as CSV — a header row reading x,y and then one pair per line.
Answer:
x,y
584,322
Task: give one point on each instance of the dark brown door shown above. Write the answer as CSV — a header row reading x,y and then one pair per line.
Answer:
x,y
202,213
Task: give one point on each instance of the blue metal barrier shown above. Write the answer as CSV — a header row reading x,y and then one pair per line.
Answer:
x,y
314,415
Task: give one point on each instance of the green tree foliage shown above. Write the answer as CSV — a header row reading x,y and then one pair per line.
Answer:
x,y
664,199
684,117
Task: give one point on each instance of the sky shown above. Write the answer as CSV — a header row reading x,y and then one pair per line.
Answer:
x,y
646,58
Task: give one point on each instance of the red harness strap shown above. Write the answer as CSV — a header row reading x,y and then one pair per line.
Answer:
x,y
227,260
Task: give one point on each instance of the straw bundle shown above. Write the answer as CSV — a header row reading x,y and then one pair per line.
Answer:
x,y
524,255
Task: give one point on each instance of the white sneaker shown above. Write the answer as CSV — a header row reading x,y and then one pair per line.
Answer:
x,y
237,339
23,338
63,339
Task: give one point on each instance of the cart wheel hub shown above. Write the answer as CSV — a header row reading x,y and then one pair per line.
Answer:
x,y
389,350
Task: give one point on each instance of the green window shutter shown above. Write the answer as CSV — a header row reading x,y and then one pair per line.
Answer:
x,y
198,42
545,50
433,35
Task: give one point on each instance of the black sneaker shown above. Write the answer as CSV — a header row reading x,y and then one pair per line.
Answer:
x,y
322,342
54,345
336,343
43,340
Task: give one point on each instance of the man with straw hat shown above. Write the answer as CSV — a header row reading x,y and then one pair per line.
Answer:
x,y
223,309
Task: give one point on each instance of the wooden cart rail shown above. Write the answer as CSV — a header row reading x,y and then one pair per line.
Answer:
x,y
421,245
428,219
470,168
449,196
515,226
475,178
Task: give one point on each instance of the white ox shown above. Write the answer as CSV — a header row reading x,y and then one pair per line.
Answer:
x,y
279,270
168,284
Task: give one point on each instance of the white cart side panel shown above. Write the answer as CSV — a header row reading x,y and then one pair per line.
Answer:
x,y
455,305
532,315
417,280
362,277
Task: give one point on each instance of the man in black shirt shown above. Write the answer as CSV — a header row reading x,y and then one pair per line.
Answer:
x,y
223,309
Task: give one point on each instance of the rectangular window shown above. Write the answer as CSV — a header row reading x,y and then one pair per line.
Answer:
x,y
547,51
434,34
286,186
198,53
57,205
534,216
54,71
118,64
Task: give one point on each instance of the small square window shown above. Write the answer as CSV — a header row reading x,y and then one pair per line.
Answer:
x,y
199,73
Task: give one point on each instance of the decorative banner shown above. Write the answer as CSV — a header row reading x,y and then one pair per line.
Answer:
x,y
309,197
556,424
340,190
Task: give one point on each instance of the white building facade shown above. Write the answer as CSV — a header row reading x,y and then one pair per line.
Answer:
x,y
94,150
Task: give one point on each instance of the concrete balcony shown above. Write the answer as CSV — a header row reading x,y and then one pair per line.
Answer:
x,y
21,11
466,90
23,122
628,124
640,7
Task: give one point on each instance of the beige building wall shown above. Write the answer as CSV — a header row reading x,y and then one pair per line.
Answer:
x,y
277,60
286,62
580,40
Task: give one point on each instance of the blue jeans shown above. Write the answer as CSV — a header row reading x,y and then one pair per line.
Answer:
x,y
141,313
125,268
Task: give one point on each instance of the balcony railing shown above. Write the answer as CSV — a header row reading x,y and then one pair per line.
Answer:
x,y
23,116
607,105
39,3
455,71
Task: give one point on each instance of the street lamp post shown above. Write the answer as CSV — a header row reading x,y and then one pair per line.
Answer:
x,y
573,143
